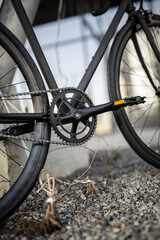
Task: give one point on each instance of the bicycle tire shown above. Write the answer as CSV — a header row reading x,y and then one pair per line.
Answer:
x,y
17,187
124,67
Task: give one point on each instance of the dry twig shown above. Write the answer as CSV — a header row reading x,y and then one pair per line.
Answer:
x,y
50,220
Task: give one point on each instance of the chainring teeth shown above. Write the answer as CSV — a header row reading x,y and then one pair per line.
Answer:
x,y
55,93
62,131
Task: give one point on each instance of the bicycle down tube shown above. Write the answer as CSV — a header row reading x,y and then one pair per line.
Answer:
x,y
124,6
96,58
41,58
34,43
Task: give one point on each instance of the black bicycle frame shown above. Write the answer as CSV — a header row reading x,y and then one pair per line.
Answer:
x,y
41,58
125,6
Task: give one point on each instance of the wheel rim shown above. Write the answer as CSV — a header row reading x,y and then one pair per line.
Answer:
x,y
15,153
143,120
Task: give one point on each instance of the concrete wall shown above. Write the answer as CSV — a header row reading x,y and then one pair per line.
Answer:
x,y
9,19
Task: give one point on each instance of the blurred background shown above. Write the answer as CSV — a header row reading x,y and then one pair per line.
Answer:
x,y
70,43
69,35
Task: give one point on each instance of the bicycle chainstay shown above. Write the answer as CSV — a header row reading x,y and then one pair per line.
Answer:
x,y
36,93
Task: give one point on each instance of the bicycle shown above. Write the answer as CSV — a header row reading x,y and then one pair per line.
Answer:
x,y
26,135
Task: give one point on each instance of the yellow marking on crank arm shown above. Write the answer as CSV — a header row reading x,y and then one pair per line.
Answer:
x,y
119,102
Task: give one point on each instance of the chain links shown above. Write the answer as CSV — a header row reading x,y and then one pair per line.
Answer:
x,y
41,141
33,93
36,93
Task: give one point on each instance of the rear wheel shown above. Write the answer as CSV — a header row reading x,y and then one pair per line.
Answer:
x,y
135,70
20,160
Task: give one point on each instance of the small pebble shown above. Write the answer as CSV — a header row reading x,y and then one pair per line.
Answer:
x,y
126,208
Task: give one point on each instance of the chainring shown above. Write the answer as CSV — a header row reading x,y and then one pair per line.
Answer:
x,y
65,119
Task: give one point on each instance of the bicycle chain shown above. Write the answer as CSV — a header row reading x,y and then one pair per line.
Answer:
x,y
35,93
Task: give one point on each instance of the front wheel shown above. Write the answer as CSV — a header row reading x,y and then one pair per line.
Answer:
x,y
20,160
134,70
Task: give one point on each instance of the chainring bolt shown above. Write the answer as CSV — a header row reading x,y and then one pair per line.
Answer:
x,y
77,115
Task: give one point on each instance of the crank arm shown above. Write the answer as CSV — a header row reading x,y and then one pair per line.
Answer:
x,y
83,113
18,130
27,118
111,106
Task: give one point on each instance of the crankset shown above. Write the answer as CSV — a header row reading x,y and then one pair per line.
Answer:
x,y
66,118
74,117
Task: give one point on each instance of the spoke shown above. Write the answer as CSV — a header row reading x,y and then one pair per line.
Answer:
x,y
140,108
13,84
150,51
146,43
139,76
131,53
18,145
147,64
155,36
134,85
141,66
6,107
3,53
6,179
8,72
11,158
148,109
25,147
133,72
153,137
145,120
11,105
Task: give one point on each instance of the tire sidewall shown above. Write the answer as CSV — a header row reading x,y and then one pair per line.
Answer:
x,y
120,116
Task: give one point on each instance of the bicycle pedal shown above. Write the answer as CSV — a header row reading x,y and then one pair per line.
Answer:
x,y
129,101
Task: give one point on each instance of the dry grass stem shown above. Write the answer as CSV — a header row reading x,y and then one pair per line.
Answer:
x,y
50,220
77,179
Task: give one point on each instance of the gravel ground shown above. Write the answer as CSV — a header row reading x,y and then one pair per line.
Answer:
x,y
124,205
